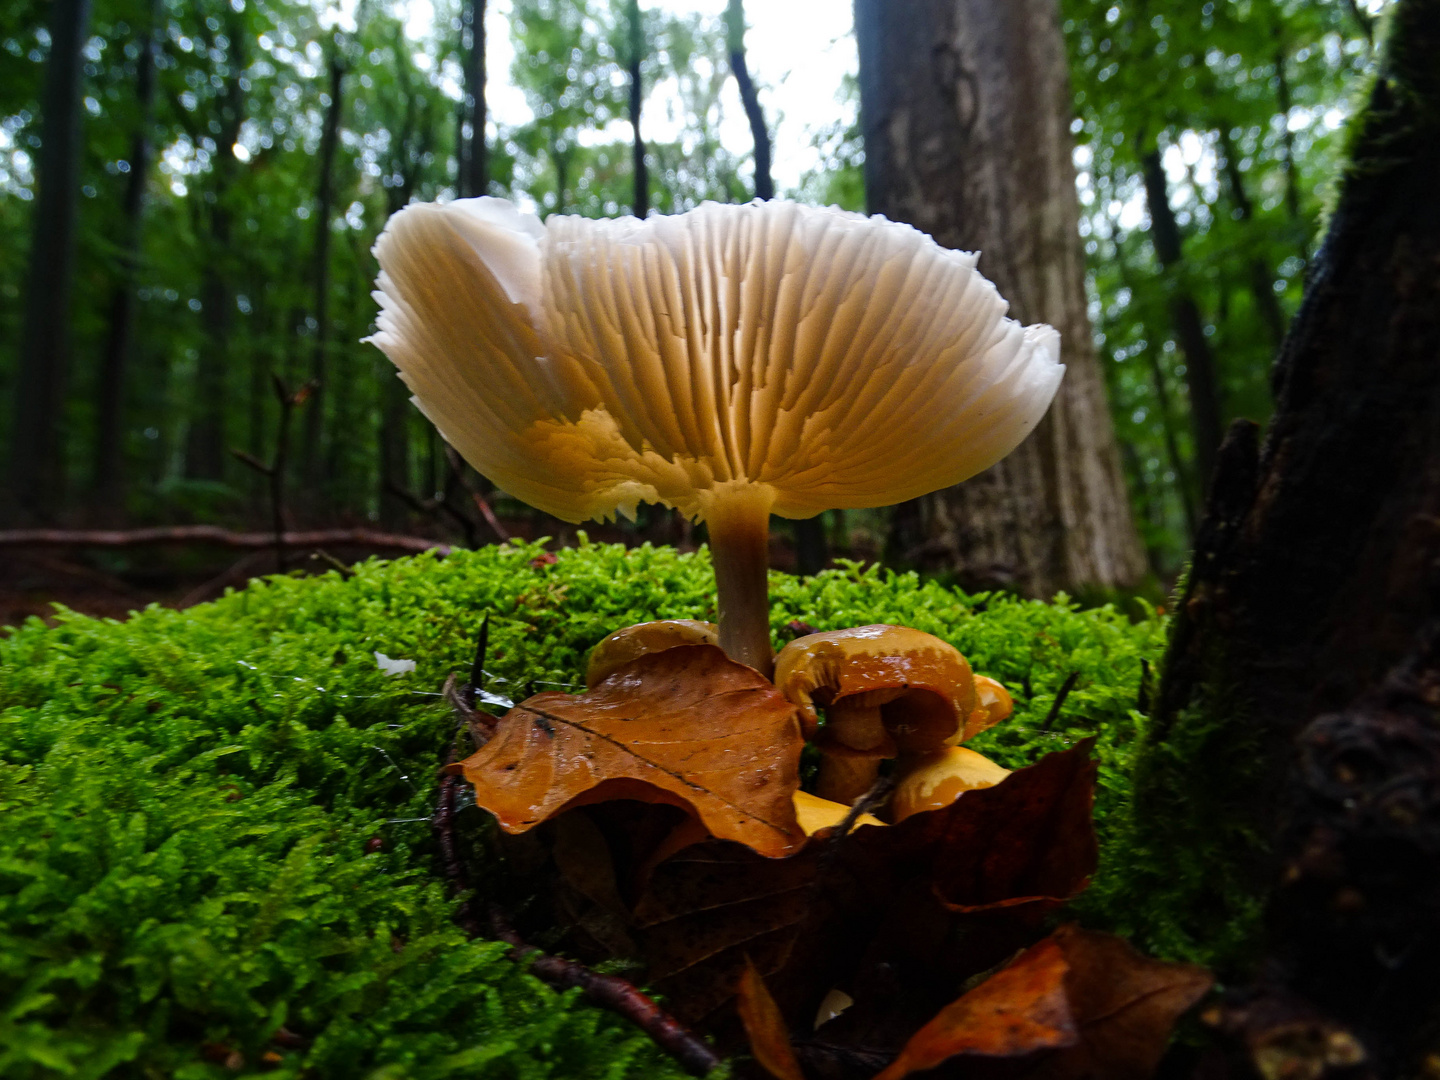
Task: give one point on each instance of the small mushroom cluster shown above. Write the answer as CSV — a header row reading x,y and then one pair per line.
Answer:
x,y
732,362
887,692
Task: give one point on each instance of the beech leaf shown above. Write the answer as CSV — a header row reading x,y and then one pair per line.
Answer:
x,y
881,896
1125,1005
765,1027
687,727
1019,1010
1026,843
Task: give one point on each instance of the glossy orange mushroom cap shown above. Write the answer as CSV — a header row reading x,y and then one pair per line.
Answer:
x,y
922,686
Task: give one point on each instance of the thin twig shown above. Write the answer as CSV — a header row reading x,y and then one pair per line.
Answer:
x,y
608,991
1065,688
335,564
434,509
450,861
239,571
457,470
481,726
613,993
874,799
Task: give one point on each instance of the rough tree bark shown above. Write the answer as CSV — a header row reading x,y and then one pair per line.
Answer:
x,y
1200,378
109,464
37,450
966,111
1311,619
640,206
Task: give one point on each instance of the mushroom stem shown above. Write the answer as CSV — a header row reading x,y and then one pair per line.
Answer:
x,y
845,777
739,527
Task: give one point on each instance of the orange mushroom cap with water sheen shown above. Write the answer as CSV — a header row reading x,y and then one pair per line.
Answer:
x,y
635,641
922,687
730,362
887,691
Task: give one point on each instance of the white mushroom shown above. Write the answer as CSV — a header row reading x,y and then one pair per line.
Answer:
x,y
731,362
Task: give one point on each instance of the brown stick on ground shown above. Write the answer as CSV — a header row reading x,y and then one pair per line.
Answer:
x,y
607,991
213,534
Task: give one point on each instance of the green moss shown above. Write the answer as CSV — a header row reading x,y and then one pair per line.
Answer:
x,y
187,798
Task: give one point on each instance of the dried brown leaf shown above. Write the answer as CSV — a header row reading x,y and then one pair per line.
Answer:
x,y
1020,1010
1125,1005
867,902
765,1027
686,727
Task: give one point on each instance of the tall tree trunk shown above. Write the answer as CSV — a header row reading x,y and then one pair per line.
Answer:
x,y
1201,380
1301,692
735,42
1261,275
473,155
641,202
311,453
561,159
966,111
109,466
37,447
206,450
1184,485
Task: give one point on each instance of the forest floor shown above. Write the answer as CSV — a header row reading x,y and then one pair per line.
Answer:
x,y
112,583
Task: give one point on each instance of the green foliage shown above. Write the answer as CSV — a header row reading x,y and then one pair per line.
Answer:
x,y
1245,102
188,797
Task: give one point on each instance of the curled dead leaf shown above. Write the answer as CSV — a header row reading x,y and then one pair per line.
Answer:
x,y
1125,1005
765,1027
1020,1010
939,897
687,727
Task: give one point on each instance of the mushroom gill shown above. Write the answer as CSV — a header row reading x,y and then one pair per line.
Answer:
x,y
731,362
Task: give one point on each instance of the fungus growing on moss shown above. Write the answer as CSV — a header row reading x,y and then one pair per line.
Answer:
x,y
630,642
731,362
887,691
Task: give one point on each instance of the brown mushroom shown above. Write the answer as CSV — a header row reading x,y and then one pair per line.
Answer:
x,y
634,641
886,691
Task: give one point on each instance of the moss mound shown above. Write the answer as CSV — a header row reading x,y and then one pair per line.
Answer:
x,y
188,799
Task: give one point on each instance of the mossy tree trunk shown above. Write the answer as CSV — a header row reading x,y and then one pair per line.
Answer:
x,y
966,109
1300,702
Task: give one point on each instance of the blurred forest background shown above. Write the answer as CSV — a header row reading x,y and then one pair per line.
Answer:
x,y
210,175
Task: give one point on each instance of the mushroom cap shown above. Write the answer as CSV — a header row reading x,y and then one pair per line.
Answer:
x,y
815,813
822,358
936,780
635,641
991,699
922,686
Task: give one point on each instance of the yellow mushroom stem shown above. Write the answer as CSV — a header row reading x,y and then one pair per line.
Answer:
x,y
855,742
739,525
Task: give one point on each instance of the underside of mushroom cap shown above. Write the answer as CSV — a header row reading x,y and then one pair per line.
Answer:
x,y
813,358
